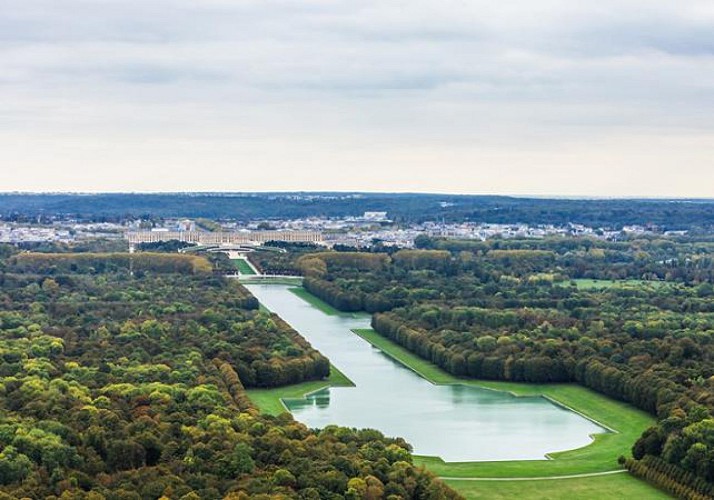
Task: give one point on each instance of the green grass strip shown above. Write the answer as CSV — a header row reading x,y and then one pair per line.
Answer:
x,y
270,401
243,267
615,487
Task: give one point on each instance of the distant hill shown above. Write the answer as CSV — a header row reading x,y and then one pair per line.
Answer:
x,y
610,213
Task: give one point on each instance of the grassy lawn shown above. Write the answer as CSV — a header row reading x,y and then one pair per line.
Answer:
x,y
269,400
587,284
599,456
614,487
243,267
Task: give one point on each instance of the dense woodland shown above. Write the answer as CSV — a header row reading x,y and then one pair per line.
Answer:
x,y
511,310
667,214
126,380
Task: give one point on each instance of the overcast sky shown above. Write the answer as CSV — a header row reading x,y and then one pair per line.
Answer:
x,y
613,97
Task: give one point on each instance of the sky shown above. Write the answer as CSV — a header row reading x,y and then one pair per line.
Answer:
x,y
525,97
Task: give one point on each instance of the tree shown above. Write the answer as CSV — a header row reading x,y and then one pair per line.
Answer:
x,y
238,462
14,466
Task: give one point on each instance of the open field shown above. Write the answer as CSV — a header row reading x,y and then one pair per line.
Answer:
x,y
269,400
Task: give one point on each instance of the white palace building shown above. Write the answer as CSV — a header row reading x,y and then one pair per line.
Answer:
x,y
223,237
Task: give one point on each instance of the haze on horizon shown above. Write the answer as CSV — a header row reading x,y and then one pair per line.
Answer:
x,y
539,97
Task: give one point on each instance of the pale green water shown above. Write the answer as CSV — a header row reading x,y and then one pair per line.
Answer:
x,y
456,423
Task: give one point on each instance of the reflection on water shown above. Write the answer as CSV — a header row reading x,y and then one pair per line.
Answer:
x,y
455,422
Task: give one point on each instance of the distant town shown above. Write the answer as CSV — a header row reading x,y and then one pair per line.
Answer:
x,y
364,231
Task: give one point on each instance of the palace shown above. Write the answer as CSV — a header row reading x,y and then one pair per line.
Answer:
x,y
224,238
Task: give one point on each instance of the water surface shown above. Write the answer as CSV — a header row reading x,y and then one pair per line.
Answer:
x,y
454,422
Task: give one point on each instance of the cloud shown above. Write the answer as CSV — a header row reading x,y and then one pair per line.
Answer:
x,y
478,79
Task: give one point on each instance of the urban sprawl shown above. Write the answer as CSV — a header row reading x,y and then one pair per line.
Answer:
x,y
370,229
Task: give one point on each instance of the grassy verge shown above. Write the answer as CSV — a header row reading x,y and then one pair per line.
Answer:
x,y
615,487
600,456
270,400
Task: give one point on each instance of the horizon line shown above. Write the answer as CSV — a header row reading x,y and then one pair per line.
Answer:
x,y
551,196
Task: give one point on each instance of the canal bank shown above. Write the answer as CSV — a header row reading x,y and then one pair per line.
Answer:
x,y
475,423
583,473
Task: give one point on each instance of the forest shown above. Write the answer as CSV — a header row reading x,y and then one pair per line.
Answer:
x,y
693,215
633,320
126,380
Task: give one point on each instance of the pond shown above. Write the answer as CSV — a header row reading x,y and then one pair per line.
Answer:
x,y
455,422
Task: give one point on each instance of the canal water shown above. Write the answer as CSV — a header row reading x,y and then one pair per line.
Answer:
x,y
454,422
